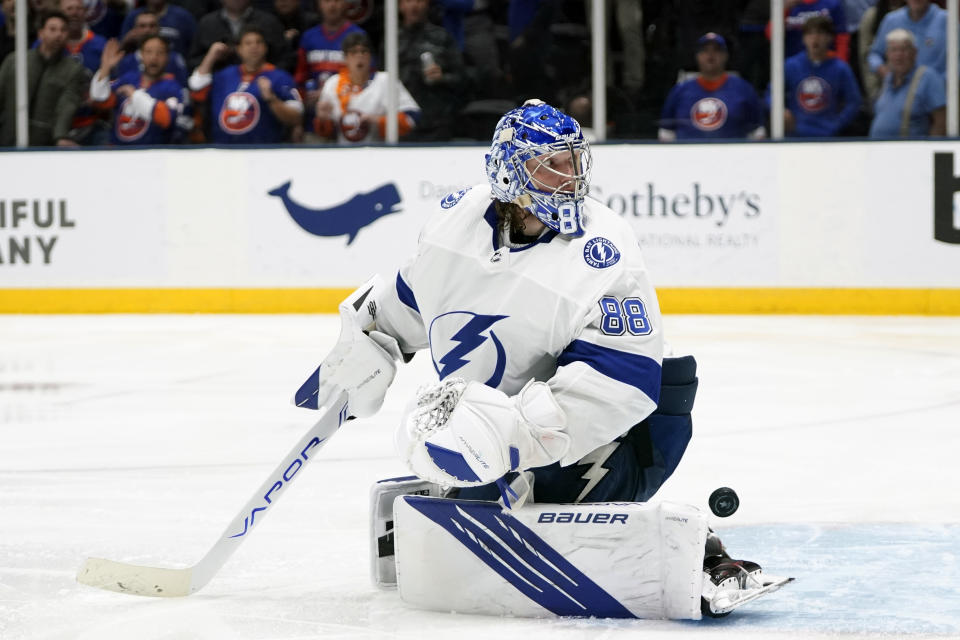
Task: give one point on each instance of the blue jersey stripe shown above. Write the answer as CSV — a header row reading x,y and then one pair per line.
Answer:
x,y
635,370
405,293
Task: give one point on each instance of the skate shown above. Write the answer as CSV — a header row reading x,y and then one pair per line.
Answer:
x,y
729,584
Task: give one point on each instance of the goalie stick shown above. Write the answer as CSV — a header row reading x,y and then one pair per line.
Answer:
x,y
155,581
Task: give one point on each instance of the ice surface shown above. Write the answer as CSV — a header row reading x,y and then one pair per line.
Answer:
x,y
137,438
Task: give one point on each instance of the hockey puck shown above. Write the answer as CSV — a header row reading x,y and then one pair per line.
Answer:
x,y
724,502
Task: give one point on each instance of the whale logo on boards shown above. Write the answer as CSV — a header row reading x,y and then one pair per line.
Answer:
x,y
346,218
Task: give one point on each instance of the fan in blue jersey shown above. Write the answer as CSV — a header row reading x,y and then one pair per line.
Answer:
x,y
249,103
83,44
319,55
146,104
715,104
797,14
822,96
86,47
177,25
144,25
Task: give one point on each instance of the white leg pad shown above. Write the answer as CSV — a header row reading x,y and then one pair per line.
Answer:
x,y
625,560
383,570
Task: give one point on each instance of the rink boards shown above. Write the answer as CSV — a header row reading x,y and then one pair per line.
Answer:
x,y
726,228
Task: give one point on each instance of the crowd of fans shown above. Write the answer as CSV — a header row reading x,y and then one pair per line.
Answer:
x,y
272,71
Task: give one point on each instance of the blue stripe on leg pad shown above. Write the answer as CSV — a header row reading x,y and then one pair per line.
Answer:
x,y
520,557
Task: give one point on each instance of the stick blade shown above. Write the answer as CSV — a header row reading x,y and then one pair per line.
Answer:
x,y
134,579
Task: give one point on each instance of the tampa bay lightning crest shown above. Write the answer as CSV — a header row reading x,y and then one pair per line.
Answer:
x,y
600,253
464,343
453,198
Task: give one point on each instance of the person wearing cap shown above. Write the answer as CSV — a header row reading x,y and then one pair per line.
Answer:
x,y
715,104
822,97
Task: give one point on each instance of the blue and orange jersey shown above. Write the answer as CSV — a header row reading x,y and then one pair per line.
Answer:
x,y
87,51
129,128
238,112
320,55
726,108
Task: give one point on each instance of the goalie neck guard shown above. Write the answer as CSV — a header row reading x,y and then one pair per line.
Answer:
x,y
540,160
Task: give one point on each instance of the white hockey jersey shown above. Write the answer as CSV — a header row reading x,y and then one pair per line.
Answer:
x,y
578,313
349,102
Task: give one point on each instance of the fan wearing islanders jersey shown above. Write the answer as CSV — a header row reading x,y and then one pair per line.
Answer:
x,y
147,24
822,96
86,47
796,14
715,104
83,44
249,103
320,54
353,103
146,103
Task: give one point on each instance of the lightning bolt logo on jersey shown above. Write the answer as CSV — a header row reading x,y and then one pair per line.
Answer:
x,y
533,313
464,343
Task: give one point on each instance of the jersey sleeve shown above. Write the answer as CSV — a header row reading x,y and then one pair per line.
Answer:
x,y
285,87
608,377
399,314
